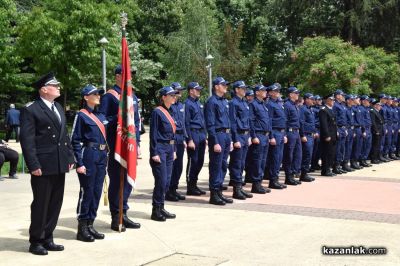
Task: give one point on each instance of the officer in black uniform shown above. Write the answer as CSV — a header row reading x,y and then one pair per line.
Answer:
x,y
328,135
48,154
90,149
377,130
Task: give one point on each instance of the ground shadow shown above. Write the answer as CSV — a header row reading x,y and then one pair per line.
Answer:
x,y
14,244
58,233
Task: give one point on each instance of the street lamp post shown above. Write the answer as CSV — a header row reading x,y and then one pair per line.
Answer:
x,y
209,58
103,41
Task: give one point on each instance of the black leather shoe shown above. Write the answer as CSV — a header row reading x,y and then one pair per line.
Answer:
x,y
306,178
129,223
221,196
192,191
376,161
83,232
37,249
115,223
215,199
257,188
170,196
346,167
202,192
51,246
179,195
167,214
156,214
275,185
249,195
327,173
393,157
237,193
94,232
289,180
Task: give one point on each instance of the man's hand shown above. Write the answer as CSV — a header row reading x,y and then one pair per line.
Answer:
x,y
231,147
255,141
328,139
191,145
37,172
285,139
174,156
249,141
237,145
364,134
156,159
316,136
272,141
304,139
81,170
217,148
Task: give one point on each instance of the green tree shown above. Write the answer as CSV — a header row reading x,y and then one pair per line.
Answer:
x,y
9,59
62,35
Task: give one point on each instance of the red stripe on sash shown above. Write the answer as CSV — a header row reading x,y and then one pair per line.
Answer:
x,y
169,117
114,93
96,120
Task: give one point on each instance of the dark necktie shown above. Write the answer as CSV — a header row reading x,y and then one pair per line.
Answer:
x,y
55,113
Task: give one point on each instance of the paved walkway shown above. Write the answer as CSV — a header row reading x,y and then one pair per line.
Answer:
x,y
286,227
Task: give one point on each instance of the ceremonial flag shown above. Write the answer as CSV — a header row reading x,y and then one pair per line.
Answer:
x,y
125,144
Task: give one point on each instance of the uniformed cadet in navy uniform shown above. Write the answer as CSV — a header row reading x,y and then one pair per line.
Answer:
x,y
307,134
260,130
239,115
292,150
393,129
377,130
389,135
385,115
278,138
48,155
367,137
195,138
178,112
162,151
346,166
219,139
109,105
316,156
339,109
358,133
328,135
396,126
90,150
249,96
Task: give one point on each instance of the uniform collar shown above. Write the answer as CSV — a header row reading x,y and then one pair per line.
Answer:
x,y
259,101
117,88
238,98
193,99
90,110
218,97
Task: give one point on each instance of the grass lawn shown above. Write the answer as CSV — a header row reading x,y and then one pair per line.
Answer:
x,y
6,167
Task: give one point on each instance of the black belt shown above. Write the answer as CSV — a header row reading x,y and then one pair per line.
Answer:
x,y
357,126
279,129
101,147
167,141
225,130
179,132
293,129
262,132
243,132
197,129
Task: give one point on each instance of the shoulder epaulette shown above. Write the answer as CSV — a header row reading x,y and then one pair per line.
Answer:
x,y
29,104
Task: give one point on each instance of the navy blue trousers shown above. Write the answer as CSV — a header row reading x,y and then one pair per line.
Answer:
x,y
218,164
195,157
366,144
177,166
292,154
316,156
237,159
307,152
357,144
348,144
91,183
276,155
162,172
395,138
258,158
341,145
113,170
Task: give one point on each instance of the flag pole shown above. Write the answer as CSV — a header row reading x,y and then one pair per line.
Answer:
x,y
124,21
